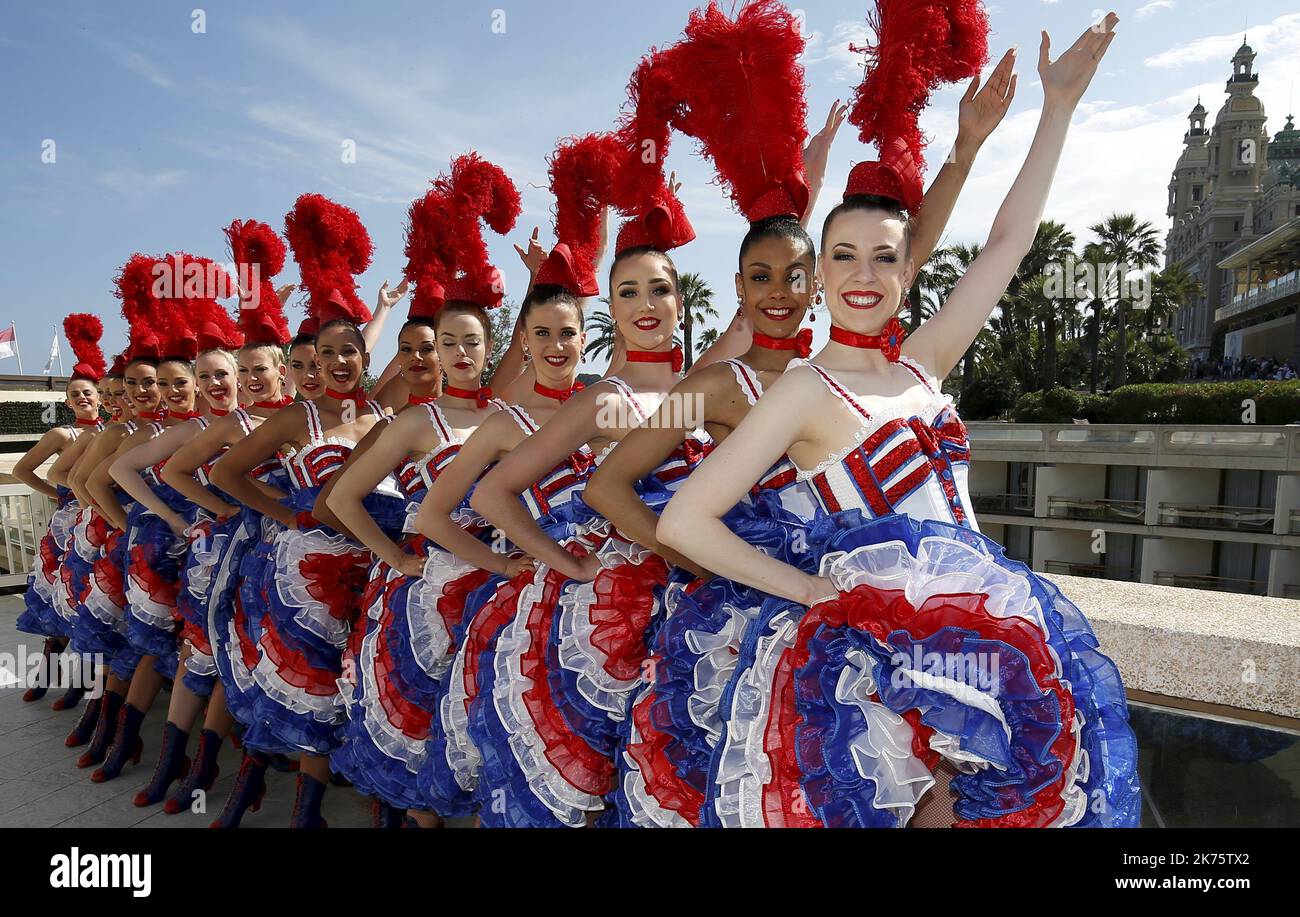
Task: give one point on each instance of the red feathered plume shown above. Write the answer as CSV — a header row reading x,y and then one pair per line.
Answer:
x,y
741,93
446,256
331,248
919,44
582,170
258,253
83,332
640,188
140,306
196,283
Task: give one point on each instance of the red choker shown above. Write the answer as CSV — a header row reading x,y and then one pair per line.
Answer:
x,y
188,415
800,343
151,415
421,399
357,396
273,405
674,356
559,394
87,423
889,342
217,412
480,396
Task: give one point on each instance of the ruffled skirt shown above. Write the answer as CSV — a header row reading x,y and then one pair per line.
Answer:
x,y
100,628
401,664
207,543
42,615
938,647
308,594
155,557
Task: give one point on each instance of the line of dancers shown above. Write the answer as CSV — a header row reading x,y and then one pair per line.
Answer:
x,y
544,605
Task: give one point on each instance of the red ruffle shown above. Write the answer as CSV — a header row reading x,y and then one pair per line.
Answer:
x,y
292,667
161,591
579,764
621,612
661,779
493,616
336,581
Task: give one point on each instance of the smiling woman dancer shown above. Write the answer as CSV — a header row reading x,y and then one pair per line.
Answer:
x,y
828,720
673,722
101,625
85,544
156,543
299,610
82,396
406,638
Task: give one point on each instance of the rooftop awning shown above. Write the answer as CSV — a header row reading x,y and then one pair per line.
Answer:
x,y
1279,238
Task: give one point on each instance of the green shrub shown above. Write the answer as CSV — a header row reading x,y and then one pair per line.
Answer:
x,y
1211,403
25,417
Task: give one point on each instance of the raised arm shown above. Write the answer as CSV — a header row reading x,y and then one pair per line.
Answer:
x,y
941,341
179,470
231,473
497,496
981,111
375,327
496,436
692,522
816,153
127,466
54,440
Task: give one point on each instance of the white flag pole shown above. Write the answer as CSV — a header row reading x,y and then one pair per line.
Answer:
x,y
60,350
18,351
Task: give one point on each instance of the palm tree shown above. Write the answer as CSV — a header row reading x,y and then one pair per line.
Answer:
x,y
1129,244
707,340
697,304
600,333
1094,256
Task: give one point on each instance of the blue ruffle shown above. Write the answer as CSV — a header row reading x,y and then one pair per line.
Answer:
x,y
163,553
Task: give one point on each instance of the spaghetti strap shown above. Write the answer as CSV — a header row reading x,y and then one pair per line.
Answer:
x,y
626,391
747,379
440,423
523,419
245,420
917,370
315,432
834,385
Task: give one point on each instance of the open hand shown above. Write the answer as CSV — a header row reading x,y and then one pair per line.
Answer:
x,y
983,108
818,150
389,298
1066,79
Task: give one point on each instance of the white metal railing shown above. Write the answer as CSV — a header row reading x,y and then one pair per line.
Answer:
x,y
24,517
1259,296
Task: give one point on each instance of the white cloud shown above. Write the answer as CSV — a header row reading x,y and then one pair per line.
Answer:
x,y
1279,38
131,59
135,183
1154,7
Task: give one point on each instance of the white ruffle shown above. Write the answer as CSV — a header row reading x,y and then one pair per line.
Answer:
x,y
200,664
716,658
198,576
744,767
292,547
431,641
942,566
883,753
566,802
386,736
140,604
461,753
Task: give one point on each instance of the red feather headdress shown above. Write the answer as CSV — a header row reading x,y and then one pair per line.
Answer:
x,y
582,169
83,332
193,319
740,92
640,188
140,307
919,44
258,253
331,247
446,256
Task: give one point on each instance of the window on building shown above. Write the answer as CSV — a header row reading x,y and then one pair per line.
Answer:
x,y
1126,482
1247,488
1123,557
1196,192
1020,543
1243,564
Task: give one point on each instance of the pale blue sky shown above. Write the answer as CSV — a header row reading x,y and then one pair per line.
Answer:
x,y
164,136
